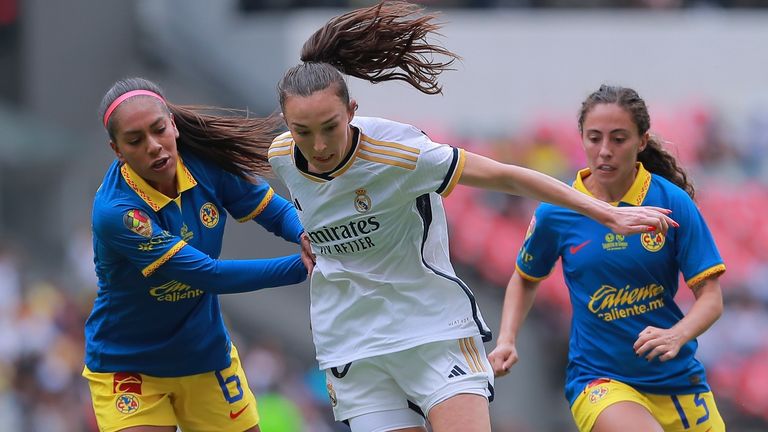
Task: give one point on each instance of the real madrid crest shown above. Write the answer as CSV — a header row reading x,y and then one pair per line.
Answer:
x,y
331,393
362,201
652,241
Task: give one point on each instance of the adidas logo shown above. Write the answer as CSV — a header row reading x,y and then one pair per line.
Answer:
x,y
456,371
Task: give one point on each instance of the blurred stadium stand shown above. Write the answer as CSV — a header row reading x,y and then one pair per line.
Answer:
x,y
527,66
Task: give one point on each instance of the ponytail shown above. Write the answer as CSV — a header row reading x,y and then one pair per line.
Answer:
x,y
384,42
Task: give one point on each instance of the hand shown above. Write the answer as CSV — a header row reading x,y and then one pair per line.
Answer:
x,y
655,342
502,358
307,257
631,220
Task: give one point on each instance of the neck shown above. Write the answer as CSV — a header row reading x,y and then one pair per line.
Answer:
x,y
612,192
169,189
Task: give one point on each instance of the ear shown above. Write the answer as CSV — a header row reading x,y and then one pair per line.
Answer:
x,y
644,141
117,152
175,129
351,109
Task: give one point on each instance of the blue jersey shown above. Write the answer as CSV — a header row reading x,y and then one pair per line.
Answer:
x,y
619,285
156,310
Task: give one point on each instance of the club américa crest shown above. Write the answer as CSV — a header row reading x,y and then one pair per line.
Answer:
x,y
652,241
209,215
127,403
362,201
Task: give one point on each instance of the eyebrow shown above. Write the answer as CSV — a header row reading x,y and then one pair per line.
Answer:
x,y
609,132
330,120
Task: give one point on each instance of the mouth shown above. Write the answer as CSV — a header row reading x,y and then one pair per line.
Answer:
x,y
605,168
323,159
160,163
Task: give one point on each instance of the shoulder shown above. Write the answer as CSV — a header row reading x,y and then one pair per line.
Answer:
x,y
668,193
389,131
280,148
109,214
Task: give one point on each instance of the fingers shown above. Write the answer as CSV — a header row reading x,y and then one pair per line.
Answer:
x,y
501,361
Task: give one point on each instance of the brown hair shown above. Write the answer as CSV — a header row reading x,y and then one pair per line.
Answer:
x,y
233,140
381,43
654,157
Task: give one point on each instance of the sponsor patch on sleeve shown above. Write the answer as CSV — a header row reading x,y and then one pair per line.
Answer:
x,y
138,222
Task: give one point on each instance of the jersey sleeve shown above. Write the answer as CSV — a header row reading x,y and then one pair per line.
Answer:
x,y
695,249
247,201
438,168
540,250
132,233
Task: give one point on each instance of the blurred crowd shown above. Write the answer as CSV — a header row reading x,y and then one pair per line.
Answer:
x,y
42,313
261,5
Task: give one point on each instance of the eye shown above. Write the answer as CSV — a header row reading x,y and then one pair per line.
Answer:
x,y
302,133
329,128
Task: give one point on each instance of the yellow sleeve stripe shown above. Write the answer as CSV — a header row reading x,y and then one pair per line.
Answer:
x,y
706,274
370,149
387,161
276,153
398,146
148,270
260,208
282,137
456,173
526,276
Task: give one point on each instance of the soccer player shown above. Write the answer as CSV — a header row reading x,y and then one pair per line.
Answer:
x,y
631,364
158,353
399,335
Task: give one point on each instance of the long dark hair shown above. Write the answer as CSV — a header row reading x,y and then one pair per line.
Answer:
x,y
654,157
232,139
380,43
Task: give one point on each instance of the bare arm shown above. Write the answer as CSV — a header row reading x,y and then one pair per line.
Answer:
x,y
518,301
666,343
482,172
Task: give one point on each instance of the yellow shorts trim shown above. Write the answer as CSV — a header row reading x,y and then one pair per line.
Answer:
x,y
219,400
676,413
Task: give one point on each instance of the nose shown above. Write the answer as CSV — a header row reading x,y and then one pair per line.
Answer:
x,y
153,145
319,145
605,151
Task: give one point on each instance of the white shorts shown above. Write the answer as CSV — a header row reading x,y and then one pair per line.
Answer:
x,y
407,384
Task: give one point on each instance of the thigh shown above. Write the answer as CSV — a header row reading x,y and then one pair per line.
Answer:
x,y
696,412
363,394
608,405
435,372
461,413
126,400
218,401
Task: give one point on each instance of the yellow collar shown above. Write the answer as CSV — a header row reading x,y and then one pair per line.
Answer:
x,y
152,196
634,196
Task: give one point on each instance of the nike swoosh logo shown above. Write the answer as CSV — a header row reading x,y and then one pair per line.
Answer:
x,y
234,415
577,248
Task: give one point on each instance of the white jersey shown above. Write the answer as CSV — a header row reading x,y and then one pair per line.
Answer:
x,y
383,281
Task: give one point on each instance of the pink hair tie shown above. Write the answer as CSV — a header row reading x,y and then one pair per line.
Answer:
x,y
125,96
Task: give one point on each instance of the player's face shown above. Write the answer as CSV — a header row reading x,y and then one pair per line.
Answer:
x,y
145,139
319,124
611,141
